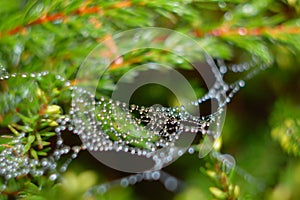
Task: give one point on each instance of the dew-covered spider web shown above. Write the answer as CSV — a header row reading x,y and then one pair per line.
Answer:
x,y
108,126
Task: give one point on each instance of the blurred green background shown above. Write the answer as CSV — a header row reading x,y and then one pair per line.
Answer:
x,y
262,126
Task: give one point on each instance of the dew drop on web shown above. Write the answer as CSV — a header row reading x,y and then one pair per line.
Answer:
x,y
171,184
96,138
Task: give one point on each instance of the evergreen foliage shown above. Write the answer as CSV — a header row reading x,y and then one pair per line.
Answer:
x,y
48,40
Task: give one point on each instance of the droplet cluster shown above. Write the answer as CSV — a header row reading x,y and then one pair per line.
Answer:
x,y
170,183
106,125
13,163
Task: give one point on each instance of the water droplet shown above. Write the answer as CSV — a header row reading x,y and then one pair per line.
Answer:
x,y
228,163
171,183
156,175
101,189
180,153
132,180
242,31
44,163
249,10
124,182
191,150
228,16
53,177
223,69
222,4
241,83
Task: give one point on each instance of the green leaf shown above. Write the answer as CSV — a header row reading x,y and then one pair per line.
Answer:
x,y
45,143
53,109
13,130
47,134
218,193
215,47
30,140
25,129
254,45
26,120
46,149
41,153
34,154
39,140
26,148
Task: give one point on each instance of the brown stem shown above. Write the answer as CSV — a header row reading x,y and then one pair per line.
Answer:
x,y
83,10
